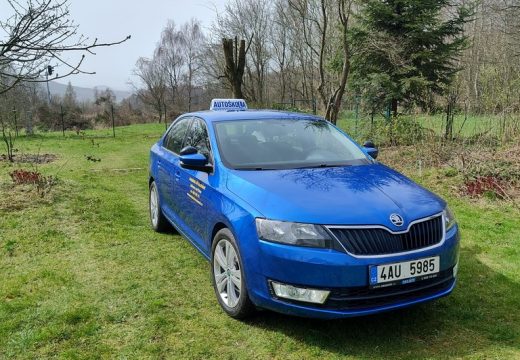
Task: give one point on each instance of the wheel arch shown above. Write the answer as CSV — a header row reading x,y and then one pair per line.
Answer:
x,y
216,228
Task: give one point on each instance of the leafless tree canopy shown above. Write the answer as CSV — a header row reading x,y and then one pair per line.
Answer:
x,y
39,34
296,51
151,75
173,76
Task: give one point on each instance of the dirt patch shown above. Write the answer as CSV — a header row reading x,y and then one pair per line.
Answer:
x,y
21,197
31,158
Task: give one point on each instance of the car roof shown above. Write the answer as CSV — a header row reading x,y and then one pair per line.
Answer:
x,y
212,116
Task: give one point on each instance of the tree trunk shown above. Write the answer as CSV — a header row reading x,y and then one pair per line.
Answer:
x,y
448,133
394,108
235,56
190,85
160,111
323,42
8,140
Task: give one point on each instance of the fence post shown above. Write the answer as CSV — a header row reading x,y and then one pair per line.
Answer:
x,y
357,107
113,121
15,122
62,120
29,122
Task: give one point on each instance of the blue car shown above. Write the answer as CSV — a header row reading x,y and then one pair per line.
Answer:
x,y
295,217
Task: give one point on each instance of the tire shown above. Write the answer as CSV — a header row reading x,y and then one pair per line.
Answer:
x,y
157,220
227,273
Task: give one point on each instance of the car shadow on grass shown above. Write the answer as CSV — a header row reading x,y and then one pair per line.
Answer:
x,y
479,317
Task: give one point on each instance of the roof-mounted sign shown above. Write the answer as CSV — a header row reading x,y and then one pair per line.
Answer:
x,y
228,105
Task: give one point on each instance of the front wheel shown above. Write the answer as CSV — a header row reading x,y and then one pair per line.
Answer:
x,y
157,219
228,276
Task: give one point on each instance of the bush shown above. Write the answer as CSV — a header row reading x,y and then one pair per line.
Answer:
x,y
405,131
22,177
401,131
485,185
25,177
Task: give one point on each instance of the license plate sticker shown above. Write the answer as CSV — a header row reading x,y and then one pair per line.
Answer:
x,y
404,272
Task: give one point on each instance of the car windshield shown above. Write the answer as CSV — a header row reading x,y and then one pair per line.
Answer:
x,y
284,144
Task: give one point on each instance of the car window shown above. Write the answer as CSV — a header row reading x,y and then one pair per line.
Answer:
x,y
285,144
174,140
198,138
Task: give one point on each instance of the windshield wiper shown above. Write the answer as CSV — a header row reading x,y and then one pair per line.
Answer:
x,y
312,166
320,166
254,168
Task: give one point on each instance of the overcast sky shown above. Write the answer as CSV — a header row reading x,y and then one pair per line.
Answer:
x,y
112,20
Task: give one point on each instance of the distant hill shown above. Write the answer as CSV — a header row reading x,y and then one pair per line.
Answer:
x,y
85,94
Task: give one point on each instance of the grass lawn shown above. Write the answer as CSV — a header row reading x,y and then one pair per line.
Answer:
x,y
83,275
463,126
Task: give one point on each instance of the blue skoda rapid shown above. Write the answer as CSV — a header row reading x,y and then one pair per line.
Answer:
x,y
295,217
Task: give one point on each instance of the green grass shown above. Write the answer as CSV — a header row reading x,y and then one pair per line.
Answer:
x,y
463,126
83,276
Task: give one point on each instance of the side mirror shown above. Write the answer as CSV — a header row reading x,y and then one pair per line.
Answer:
x,y
371,149
194,160
188,150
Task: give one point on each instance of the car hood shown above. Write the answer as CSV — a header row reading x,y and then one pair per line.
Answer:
x,y
360,195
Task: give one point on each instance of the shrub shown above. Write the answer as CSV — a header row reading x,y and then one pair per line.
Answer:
x,y
22,177
43,183
401,131
485,185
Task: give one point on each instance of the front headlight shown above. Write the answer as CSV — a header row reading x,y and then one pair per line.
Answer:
x,y
293,233
449,218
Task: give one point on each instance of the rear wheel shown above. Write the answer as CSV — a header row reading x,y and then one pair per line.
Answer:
x,y
228,276
157,219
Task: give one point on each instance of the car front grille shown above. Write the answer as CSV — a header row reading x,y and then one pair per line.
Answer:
x,y
356,298
379,241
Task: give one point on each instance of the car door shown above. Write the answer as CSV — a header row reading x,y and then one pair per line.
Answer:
x,y
193,186
168,165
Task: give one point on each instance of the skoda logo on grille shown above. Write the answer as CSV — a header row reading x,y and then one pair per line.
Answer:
x,y
396,219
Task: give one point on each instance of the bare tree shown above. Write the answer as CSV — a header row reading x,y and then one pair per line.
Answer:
x,y
150,72
14,107
490,77
70,98
105,102
8,138
172,61
280,45
330,21
192,41
344,8
37,35
305,16
250,20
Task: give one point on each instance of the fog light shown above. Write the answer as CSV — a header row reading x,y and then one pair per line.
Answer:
x,y
300,294
456,269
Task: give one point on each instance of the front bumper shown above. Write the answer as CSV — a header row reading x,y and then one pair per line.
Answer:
x,y
347,279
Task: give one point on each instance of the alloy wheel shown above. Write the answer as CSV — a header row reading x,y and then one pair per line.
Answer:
x,y
227,273
154,205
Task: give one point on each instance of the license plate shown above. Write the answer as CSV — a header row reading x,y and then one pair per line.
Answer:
x,y
404,272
